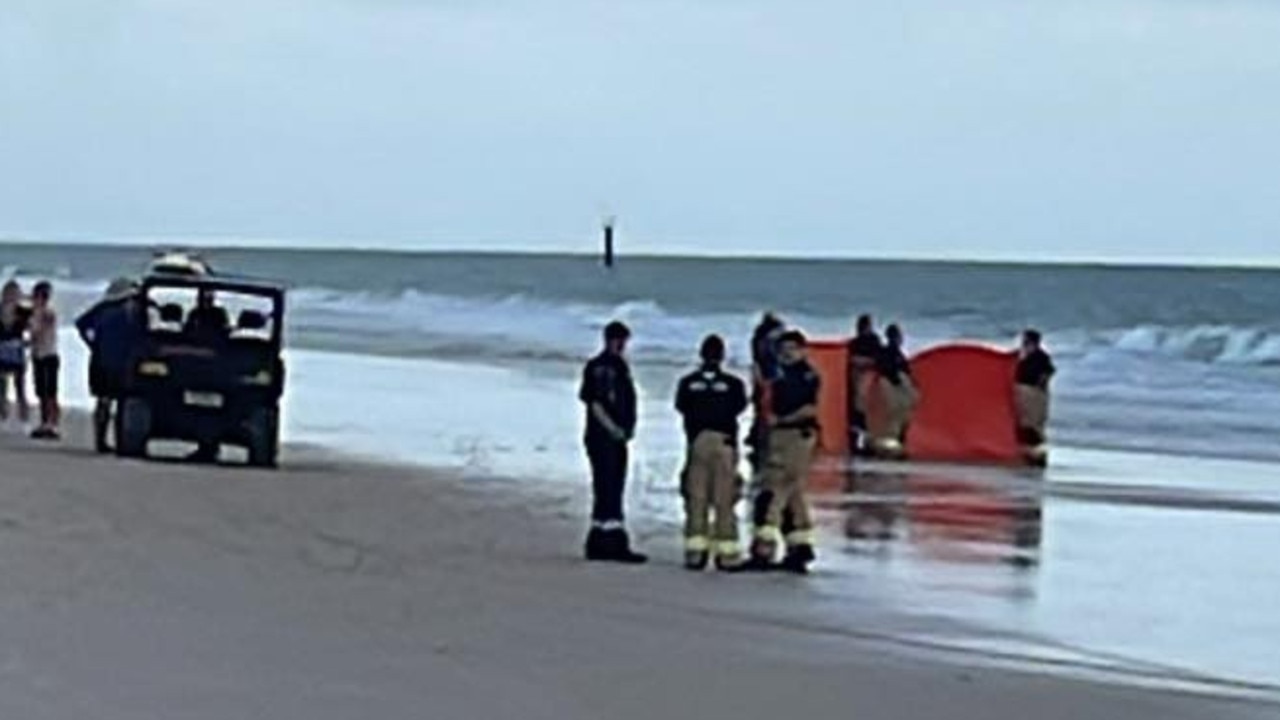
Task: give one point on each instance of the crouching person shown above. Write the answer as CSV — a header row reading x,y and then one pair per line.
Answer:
x,y
711,400
792,438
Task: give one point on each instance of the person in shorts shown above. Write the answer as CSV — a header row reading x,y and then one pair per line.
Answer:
x,y
45,363
14,317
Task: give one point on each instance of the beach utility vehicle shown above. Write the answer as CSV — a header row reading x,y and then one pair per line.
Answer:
x,y
200,377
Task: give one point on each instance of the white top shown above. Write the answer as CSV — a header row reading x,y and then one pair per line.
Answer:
x,y
44,332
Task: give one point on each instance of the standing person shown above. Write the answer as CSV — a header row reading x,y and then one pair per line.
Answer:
x,y
609,394
14,320
710,400
764,370
793,434
1035,370
112,329
864,354
45,364
898,388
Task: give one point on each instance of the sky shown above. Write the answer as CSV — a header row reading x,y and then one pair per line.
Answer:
x,y
985,129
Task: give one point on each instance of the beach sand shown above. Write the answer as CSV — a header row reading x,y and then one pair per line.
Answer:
x,y
335,588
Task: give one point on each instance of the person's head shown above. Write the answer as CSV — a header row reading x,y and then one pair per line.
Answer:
x,y
12,293
1031,340
770,319
42,293
712,351
893,335
616,335
204,299
792,347
865,325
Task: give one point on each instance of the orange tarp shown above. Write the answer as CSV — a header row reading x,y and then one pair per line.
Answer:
x,y
966,411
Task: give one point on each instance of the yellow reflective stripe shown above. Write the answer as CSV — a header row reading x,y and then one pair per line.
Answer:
x,y
697,543
728,549
768,533
800,537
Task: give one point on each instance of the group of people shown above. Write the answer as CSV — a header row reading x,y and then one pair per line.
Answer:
x,y
29,348
711,401
783,438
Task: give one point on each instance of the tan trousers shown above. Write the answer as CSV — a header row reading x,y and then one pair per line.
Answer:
x,y
899,401
1033,408
785,477
711,482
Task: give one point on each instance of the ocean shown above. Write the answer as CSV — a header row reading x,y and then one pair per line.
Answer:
x,y
1137,547
1163,360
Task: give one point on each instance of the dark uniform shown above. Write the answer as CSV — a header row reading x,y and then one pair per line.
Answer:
x,y
864,355
791,445
898,389
1035,369
710,400
607,382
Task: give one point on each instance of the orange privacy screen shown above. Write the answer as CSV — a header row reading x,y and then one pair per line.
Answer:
x,y
966,411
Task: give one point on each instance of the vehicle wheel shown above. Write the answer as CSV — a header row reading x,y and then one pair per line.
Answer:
x,y
264,437
133,428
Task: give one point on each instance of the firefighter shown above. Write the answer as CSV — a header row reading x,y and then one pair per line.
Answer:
x,y
609,394
711,400
1035,370
898,389
864,353
793,434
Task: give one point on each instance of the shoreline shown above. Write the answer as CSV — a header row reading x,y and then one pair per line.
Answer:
x,y
393,563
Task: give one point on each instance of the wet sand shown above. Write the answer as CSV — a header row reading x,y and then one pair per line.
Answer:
x,y
339,589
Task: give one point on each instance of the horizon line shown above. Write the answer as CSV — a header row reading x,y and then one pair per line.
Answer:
x,y
235,244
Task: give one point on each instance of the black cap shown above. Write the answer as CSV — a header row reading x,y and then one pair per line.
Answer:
x,y
616,331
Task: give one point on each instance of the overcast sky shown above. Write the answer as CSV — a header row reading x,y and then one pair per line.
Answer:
x,y
925,128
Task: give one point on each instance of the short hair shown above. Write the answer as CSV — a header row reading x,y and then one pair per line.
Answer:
x,y
616,330
864,322
793,336
1031,335
893,329
44,287
712,349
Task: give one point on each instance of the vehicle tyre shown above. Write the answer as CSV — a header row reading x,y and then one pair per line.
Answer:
x,y
133,428
264,437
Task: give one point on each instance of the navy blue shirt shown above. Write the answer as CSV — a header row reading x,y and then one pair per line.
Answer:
x,y
797,386
893,364
113,331
607,380
711,399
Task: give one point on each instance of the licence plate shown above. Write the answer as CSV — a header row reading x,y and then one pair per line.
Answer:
x,y
203,399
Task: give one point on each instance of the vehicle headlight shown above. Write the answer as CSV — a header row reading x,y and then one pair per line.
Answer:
x,y
153,368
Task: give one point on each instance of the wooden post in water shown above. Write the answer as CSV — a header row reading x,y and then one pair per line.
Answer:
x,y
608,241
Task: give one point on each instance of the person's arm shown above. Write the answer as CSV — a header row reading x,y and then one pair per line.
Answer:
x,y
740,401
594,389
86,323
682,398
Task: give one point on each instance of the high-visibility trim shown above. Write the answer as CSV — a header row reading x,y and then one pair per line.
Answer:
x,y
608,525
800,537
769,533
728,549
697,543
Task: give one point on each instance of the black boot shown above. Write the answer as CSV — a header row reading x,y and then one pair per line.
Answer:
x,y
596,548
622,551
696,559
798,558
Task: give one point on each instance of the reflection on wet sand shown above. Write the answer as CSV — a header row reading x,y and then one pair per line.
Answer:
x,y
945,516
